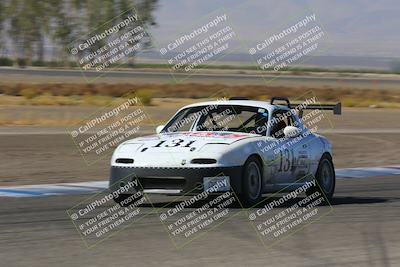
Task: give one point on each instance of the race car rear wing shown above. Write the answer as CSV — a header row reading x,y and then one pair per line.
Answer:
x,y
336,108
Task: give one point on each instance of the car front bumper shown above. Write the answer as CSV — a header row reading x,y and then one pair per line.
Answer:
x,y
178,180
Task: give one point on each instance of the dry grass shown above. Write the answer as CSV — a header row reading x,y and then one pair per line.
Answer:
x,y
102,94
38,122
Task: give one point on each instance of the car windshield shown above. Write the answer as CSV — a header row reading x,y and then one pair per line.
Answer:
x,y
231,118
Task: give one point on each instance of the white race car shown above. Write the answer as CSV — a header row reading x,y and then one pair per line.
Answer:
x,y
249,147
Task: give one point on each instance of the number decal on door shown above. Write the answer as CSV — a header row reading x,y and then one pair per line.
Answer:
x,y
286,160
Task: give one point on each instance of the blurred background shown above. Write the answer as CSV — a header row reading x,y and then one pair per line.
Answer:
x,y
58,66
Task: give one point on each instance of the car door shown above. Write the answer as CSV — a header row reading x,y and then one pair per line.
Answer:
x,y
283,154
292,157
301,146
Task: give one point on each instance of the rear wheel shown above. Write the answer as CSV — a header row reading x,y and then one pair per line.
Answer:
x,y
325,178
251,182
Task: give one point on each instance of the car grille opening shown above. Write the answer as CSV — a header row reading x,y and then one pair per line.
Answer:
x,y
124,160
162,182
203,161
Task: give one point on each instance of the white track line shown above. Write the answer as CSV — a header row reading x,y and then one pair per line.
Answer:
x,y
98,186
367,172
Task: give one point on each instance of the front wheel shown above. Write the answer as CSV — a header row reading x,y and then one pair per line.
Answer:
x,y
325,178
251,182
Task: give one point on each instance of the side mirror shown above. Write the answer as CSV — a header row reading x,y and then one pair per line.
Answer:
x,y
159,128
291,131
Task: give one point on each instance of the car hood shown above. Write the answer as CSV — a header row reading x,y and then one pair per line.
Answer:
x,y
169,149
182,141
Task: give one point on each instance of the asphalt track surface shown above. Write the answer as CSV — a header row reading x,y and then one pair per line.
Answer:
x,y
360,230
92,187
162,77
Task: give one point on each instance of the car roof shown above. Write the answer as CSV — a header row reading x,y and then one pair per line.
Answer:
x,y
250,103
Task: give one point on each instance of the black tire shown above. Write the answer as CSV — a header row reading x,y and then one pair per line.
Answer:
x,y
251,182
326,179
